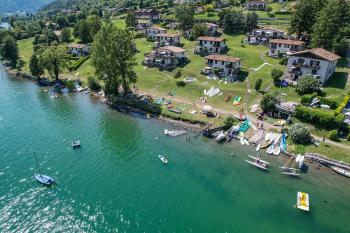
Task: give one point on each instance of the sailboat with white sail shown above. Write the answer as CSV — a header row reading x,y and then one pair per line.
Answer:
x,y
288,168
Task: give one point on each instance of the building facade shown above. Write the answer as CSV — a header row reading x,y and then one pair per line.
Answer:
x,y
317,62
210,45
147,14
256,6
281,47
165,57
151,32
79,49
167,39
227,66
258,36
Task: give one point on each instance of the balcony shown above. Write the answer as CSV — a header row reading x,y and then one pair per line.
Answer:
x,y
312,66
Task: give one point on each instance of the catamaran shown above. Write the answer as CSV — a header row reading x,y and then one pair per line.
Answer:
x,y
288,169
43,179
174,133
259,163
303,201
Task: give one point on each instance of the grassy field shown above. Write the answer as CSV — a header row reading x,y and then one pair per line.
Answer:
x,y
159,83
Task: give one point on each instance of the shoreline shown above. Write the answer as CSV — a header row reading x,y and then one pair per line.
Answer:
x,y
311,158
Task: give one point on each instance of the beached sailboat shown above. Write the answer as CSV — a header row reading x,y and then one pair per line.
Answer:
x,y
303,201
174,133
43,179
341,171
288,168
221,136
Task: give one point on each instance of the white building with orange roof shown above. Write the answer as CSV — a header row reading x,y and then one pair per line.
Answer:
x,y
78,49
210,45
167,39
317,62
151,32
226,66
165,57
281,46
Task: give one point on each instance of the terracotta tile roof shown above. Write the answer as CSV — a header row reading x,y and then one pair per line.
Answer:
x,y
77,46
290,42
158,28
319,52
208,38
167,35
173,49
222,58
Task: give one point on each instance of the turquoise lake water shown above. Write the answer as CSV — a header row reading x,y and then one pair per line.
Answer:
x,y
116,183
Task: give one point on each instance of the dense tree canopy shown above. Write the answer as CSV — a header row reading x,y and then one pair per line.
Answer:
x,y
184,14
113,58
54,59
9,50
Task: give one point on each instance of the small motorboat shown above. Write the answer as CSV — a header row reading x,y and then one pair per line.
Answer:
x,y
303,201
163,159
76,144
220,137
43,179
341,171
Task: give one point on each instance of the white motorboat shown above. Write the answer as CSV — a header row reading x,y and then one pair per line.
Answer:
x,y
76,144
220,137
174,133
303,201
257,164
163,159
341,171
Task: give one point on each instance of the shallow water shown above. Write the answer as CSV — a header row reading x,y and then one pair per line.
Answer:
x,y
116,183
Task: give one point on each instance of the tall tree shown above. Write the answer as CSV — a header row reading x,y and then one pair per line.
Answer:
x,y
198,30
184,14
234,22
113,58
66,35
35,66
131,21
305,16
251,21
54,59
332,26
84,32
62,21
9,50
95,24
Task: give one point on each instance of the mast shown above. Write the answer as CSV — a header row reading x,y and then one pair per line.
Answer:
x,y
37,163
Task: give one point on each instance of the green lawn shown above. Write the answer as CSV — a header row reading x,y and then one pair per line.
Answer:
x,y
25,48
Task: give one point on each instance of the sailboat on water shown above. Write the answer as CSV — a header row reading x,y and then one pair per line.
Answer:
x,y
288,168
42,179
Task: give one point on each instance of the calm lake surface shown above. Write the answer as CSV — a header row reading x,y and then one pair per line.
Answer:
x,y
116,183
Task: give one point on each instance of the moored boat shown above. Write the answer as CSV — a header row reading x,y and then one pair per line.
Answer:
x,y
76,144
174,133
44,179
163,159
220,137
257,164
303,201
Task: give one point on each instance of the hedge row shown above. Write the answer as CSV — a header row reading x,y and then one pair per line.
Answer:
x,y
78,63
342,105
319,117
307,99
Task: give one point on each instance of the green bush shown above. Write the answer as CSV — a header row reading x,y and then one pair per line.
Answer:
x,y
258,84
276,75
177,74
300,134
180,84
333,135
268,102
307,99
307,85
333,104
229,122
348,138
78,63
93,83
319,117
342,105
70,85
283,61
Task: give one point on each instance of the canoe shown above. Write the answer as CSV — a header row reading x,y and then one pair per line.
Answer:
x,y
341,171
43,179
303,201
227,98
